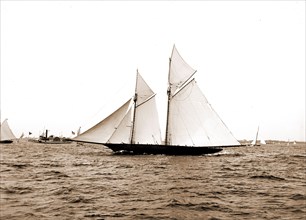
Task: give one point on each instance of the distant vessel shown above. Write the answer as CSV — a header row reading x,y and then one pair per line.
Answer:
x,y
257,142
6,134
45,139
192,126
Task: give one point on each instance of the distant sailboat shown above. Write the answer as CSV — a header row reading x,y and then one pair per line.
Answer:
x,y
257,142
6,134
79,131
192,126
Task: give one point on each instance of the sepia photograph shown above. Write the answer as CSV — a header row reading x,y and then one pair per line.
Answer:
x,y
152,110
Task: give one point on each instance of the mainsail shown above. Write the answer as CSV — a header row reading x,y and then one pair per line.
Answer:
x,y
191,119
6,133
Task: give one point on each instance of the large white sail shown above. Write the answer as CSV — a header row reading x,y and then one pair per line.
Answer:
x,y
193,122
122,133
179,71
191,119
5,132
146,122
142,90
101,132
142,117
254,142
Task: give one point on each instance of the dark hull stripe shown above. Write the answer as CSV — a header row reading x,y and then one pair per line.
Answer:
x,y
6,142
162,149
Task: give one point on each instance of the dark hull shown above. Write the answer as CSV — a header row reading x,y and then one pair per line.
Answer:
x,y
6,142
162,149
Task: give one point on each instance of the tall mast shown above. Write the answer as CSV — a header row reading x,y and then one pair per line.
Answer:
x,y
168,105
134,112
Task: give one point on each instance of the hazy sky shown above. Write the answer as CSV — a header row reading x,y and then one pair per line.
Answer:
x,y
68,64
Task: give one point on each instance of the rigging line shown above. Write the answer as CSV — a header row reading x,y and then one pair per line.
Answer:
x,y
200,122
154,139
186,81
148,99
182,87
220,120
116,127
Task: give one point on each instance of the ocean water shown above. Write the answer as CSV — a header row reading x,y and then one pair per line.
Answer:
x,y
73,181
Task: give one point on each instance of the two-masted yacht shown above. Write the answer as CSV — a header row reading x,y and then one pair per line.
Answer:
x,y
192,126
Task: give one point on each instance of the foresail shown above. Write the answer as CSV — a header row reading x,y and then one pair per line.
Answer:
x,y
193,122
101,132
5,132
179,71
146,124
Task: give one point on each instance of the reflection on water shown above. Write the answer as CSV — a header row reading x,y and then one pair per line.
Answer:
x,y
86,181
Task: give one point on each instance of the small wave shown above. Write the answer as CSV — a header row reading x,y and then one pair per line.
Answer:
x,y
5,170
56,173
104,216
17,190
62,191
176,203
81,164
51,165
124,166
227,154
299,155
207,206
298,197
79,199
160,167
95,216
19,166
269,177
227,168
